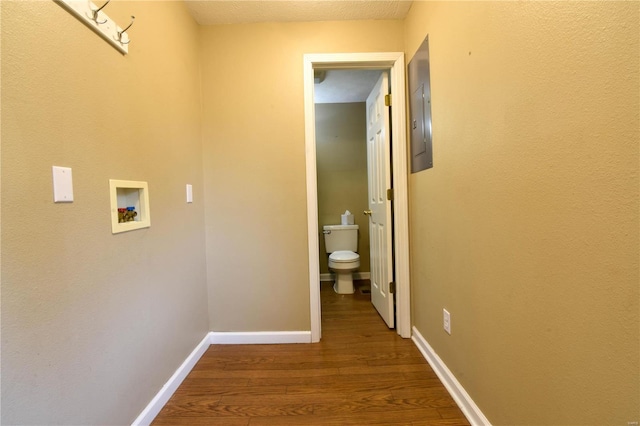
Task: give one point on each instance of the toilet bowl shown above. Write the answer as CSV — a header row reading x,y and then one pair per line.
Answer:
x,y
343,263
341,243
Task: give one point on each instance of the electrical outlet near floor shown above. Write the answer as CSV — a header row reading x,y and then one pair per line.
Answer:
x,y
446,320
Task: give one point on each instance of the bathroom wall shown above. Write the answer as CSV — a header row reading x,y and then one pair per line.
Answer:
x,y
254,164
526,229
93,324
341,157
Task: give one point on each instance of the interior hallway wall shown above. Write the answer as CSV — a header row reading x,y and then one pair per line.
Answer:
x,y
526,229
93,324
341,156
254,164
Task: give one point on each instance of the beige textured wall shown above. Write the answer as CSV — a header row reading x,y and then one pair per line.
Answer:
x,y
254,164
341,156
93,324
526,229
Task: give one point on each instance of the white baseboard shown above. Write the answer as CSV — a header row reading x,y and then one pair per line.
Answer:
x,y
356,276
259,337
461,397
161,398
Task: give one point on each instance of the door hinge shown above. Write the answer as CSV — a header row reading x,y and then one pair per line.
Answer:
x,y
392,287
387,100
390,194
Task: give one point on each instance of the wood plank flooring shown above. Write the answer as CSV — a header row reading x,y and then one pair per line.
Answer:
x,y
361,373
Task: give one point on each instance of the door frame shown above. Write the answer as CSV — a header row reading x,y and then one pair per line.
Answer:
x,y
394,61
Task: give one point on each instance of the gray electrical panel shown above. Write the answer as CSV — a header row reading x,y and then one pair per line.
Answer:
x,y
420,104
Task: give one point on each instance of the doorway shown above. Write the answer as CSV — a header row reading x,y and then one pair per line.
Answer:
x,y
341,166
395,63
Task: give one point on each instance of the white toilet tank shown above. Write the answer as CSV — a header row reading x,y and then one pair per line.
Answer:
x,y
340,237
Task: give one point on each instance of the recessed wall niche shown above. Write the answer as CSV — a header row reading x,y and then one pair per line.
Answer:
x,y
129,205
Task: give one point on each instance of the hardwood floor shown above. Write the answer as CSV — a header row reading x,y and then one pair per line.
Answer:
x,y
361,373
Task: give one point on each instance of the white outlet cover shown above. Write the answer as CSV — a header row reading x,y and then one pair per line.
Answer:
x,y
446,321
62,185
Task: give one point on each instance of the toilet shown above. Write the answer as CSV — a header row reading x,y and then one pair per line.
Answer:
x,y
341,242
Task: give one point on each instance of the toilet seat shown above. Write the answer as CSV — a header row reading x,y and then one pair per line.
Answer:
x,y
344,256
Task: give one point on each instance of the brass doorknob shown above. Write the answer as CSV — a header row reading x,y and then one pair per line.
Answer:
x,y
367,212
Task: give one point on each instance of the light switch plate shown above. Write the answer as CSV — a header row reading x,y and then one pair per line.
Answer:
x,y
62,185
189,193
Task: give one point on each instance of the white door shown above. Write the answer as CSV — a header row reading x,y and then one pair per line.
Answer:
x,y
378,161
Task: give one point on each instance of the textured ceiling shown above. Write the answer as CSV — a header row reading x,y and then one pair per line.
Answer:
x,y
341,86
211,12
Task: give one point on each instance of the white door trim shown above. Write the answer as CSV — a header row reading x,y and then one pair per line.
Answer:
x,y
395,62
